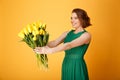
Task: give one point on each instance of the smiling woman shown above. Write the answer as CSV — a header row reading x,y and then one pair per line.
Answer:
x,y
75,45
102,56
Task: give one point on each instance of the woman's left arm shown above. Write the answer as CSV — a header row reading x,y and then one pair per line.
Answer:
x,y
83,39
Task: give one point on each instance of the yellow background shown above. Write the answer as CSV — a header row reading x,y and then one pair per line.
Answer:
x,y
17,60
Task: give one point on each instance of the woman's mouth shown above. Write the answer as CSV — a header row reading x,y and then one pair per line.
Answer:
x,y
73,24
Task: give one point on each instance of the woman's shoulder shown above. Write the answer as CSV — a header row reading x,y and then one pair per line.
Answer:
x,y
87,34
68,31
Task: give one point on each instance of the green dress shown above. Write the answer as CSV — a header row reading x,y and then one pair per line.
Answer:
x,y
74,66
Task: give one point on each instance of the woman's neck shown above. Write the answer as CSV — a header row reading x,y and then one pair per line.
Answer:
x,y
79,29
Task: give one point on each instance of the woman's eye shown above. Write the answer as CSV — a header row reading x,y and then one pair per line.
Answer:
x,y
76,18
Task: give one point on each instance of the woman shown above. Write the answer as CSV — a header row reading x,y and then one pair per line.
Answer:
x,y
75,45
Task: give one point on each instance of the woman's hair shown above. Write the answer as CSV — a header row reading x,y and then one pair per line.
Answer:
x,y
83,17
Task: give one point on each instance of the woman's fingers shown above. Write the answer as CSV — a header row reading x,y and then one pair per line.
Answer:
x,y
39,50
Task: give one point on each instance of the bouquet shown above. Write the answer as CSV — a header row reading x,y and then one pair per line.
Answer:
x,y
35,35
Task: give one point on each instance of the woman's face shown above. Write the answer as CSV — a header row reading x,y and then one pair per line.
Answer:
x,y
75,20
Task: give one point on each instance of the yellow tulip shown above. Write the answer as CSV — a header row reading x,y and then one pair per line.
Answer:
x,y
34,38
44,26
41,32
34,33
35,28
25,31
37,32
21,34
39,24
29,28
34,23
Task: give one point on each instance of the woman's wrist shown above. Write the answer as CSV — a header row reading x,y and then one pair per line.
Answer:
x,y
51,50
48,50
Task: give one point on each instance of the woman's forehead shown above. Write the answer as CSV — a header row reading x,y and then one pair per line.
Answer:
x,y
74,15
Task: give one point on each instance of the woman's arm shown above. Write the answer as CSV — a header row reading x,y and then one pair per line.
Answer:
x,y
83,39
59,40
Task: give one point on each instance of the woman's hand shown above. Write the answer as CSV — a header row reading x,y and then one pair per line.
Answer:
x,y
43,50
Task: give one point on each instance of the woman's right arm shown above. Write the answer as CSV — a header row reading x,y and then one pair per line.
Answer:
x,y
59,40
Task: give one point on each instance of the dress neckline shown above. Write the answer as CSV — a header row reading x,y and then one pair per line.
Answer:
x,y
78,32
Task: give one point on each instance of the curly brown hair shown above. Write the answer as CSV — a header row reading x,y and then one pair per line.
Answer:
x,y
83,17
